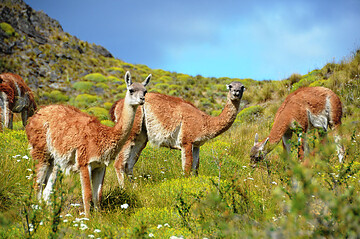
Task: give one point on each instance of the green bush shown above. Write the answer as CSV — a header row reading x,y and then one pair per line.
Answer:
x,y
83,86
114,79
215,112
96,77
107,123
116,69
161,86
294,78
164,79
318,83
85,100
55,96
107,105
306,80
250,114
102,85
100,113
8,29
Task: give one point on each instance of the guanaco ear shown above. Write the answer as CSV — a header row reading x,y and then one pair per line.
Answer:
x,y
128,79
256,139
264,143
147,80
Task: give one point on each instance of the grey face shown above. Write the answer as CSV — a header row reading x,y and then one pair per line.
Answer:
x,y
256,155
136,91
236,90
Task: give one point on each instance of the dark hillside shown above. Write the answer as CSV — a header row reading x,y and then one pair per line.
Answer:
x,y
62,68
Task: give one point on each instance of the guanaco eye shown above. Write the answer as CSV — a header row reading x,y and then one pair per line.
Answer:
x,y
131,91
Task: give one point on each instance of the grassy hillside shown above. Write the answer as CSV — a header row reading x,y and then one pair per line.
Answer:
x,y
278,199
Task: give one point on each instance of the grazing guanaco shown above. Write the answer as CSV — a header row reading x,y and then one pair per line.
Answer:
x,y
15,97
308,107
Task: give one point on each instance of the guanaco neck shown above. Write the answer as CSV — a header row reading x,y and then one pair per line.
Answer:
x,y
277,131
219,124
122,128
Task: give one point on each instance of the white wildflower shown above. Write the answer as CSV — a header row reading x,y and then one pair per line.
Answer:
x,y
124,206
76,225
159,226
97,230
68,215
29,176
25,157
35,207
82,213
83,226
31,227
251,178
151,235
75,204
41,223
18,160
65,220
18,155
275,183
29,169
91,236
166,225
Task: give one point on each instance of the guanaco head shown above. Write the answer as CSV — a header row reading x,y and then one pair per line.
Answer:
x,y
236,90
135,94
258,151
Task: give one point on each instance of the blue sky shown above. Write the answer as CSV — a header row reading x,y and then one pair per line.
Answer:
x,y
238,39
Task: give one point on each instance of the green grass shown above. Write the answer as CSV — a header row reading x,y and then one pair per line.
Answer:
x,y
243,202
229,199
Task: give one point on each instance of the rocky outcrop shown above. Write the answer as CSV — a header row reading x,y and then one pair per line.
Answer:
x,y
34,45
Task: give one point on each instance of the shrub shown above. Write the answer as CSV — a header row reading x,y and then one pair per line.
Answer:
x,y
116,69
294,78
107,105
306,80
121,87
266,93
85,100
250,114
107,123
96,77
114,79
83,86
102,85
100,113
8,29
162,86
164,79
55,96
318,83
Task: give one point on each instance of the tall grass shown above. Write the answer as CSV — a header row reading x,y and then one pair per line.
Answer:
x,y
280,198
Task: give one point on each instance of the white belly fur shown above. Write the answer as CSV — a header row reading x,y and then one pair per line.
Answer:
x,y
160,136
